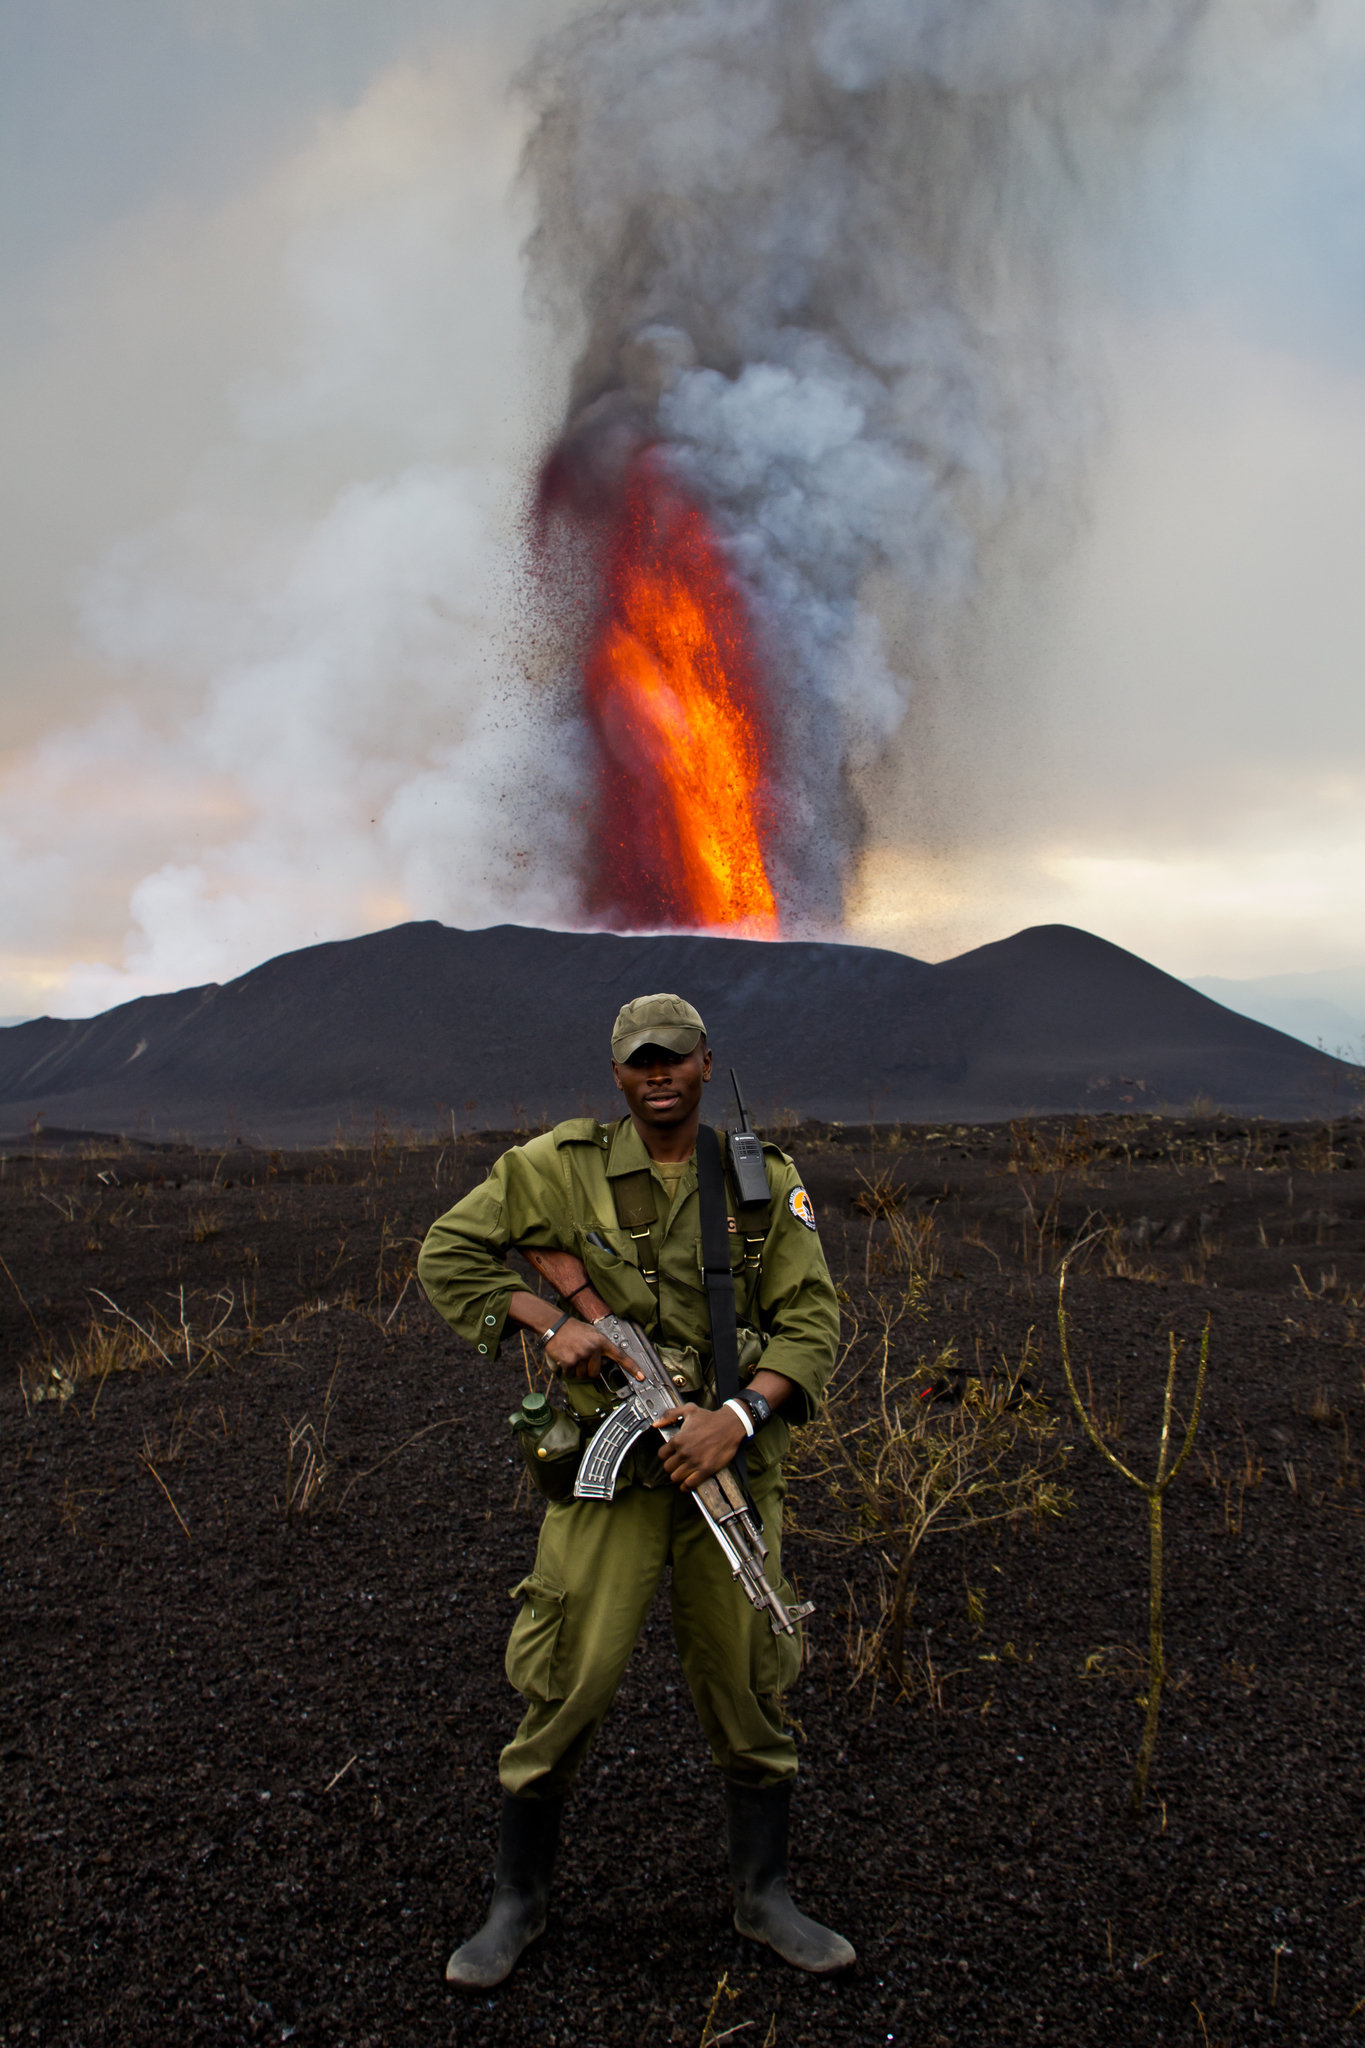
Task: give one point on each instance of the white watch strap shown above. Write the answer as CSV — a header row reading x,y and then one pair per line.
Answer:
x,y
745,1417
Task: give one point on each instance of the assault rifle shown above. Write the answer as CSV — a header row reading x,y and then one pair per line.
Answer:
x,y
639,1405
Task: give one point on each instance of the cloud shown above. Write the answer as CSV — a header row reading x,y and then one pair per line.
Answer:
x,y
1217,596
315,719
1194,785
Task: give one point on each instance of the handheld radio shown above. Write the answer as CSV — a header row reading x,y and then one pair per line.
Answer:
x,y
746,1154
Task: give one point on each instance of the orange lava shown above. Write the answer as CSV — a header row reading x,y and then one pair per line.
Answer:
x,y
672,690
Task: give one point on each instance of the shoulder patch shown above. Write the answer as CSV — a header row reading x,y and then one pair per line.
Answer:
x,y
802,1207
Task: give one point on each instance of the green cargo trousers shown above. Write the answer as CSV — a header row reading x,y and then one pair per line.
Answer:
x,y
598,1565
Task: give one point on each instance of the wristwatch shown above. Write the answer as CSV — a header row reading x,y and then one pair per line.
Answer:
x,y
756,1405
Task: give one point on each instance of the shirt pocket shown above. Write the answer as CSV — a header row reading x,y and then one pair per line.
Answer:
x,y
616,1274
534,1664
613,1251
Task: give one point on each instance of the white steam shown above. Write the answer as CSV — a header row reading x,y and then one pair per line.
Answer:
x,y
355,710
315,718
841,238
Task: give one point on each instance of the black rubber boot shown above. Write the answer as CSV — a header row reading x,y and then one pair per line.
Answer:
x,y
521,1892
759,1827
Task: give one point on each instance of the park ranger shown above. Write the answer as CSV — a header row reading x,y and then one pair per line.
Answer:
x,y
624,1198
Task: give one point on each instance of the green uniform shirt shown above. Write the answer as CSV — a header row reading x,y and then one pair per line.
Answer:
x,y
550,1192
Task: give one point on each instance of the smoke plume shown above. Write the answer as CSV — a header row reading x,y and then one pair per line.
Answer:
x,y
821,252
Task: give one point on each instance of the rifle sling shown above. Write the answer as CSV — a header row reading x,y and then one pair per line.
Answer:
x,y
720,1284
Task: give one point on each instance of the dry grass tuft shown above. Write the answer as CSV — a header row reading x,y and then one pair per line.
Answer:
x,y
115,1342
879,1195
56,1371
306,1471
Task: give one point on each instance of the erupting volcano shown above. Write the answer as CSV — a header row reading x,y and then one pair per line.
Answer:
x,y
673,695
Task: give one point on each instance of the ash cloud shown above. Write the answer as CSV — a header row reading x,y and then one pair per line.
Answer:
x,y
831,254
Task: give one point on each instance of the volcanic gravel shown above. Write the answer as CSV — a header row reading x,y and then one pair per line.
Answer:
x,y
249,1762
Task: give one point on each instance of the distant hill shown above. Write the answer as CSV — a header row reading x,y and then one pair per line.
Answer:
x,y
1325,1010
510,1023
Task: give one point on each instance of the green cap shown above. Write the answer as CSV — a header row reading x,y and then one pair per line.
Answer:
x,y
656,1020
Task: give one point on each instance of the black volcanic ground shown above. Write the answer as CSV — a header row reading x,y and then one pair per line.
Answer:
x,y
510,1025
248,1769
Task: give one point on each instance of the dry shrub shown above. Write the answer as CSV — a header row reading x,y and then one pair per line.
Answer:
x,y
1169,1465
908,1244
1044,1166
1232,1488
900,1454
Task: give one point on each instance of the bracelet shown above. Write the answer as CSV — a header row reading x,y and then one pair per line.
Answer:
x,y
554,1329
739,1408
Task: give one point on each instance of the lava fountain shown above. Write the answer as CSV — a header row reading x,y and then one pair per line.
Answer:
x,y
673,695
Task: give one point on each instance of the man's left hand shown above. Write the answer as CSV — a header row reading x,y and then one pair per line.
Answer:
x,y
706,1442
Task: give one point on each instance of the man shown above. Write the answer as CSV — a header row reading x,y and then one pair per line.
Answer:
x,y
624,1198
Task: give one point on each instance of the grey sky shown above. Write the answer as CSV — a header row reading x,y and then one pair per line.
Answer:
x,y
105,104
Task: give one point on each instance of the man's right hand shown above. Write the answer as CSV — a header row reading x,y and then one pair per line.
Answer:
x,y
579,1351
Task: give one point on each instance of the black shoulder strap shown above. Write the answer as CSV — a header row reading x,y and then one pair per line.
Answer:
x,y
720,1286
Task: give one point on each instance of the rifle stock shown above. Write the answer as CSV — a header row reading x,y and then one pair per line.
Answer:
x,y
568,1276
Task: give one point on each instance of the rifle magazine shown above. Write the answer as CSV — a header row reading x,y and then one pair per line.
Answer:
x,y
606,1451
